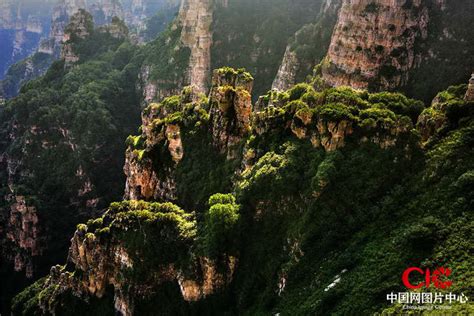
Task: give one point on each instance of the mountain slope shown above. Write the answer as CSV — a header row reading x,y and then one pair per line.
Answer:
x,y
38,32
326,185
273,199
381,45
62,140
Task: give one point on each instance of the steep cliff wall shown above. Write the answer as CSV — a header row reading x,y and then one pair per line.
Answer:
x,y
307,47
254,35
195,18
22,26
157,160
183,56
305,159
398,45
33,39
374,43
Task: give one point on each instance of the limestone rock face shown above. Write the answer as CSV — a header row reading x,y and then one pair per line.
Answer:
x,y
21,30
153,157
469,97
175,145
80,26
331,135
23,231
312,40
143,182
103,262
195,17
429,122
231,108
190,35
286,75
373,44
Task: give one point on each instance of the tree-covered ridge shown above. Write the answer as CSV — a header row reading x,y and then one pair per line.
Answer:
x,y
326,184
62,143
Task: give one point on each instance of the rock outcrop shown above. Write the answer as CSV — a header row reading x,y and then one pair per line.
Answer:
x,y
80,27
24,232
231,108
374,43
102,260
153,157
195,18
469,97
307,47
286,75
438,118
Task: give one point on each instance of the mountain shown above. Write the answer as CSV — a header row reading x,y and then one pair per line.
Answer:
x,y
22,26
382,45
38,34
269,189
321,194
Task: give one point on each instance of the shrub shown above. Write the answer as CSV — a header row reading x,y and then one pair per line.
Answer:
x,y
298,91
221,199
220,224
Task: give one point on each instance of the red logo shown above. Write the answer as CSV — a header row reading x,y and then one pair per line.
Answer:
x,y
439,278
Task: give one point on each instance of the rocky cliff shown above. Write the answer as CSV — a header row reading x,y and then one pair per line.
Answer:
x,y
185,58
374,43
38,36
31,145
213,34
79,28
195,18
397,45
151,172
103,260
302,159
22,26
307,47
140,252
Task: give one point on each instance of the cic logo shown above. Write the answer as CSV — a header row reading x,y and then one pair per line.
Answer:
x,y
439,278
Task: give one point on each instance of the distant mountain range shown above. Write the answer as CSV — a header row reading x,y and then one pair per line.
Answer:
x,y
34,26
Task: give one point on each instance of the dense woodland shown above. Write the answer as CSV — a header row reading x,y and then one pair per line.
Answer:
x,y
315,203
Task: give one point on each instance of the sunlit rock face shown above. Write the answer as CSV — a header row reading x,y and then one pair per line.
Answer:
x,y
231,108
470,90
196,19
374,43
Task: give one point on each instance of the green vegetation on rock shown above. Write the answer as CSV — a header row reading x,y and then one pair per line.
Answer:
x,y
332,196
